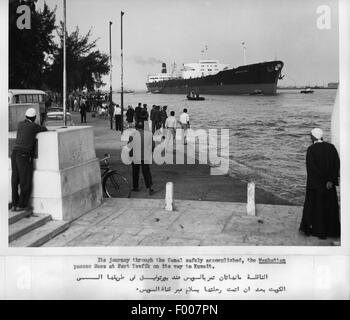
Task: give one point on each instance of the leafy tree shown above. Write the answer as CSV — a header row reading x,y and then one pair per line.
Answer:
x,y
29,48
35,60
85,64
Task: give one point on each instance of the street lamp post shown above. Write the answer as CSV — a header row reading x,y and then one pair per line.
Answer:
x,y
110,63
121,71
64,66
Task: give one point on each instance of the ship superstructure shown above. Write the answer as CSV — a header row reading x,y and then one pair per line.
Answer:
x,y
202,68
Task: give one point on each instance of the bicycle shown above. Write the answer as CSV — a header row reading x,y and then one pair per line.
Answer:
x,y
113,183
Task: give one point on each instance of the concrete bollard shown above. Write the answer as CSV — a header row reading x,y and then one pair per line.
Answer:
x,y
169,196
251,199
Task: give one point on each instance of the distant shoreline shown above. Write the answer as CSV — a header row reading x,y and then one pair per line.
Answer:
x,y
300,88
278,88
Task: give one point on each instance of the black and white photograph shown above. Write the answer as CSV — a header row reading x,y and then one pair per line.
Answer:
x,y
174,124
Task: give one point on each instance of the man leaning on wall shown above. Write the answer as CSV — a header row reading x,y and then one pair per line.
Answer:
x,y
22,162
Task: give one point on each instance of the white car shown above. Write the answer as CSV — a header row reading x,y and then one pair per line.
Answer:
x,y
55,119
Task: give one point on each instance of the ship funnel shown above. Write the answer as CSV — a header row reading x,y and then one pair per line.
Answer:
x,y
164,68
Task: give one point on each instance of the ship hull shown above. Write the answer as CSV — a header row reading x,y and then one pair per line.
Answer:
x,y
229,89
261,77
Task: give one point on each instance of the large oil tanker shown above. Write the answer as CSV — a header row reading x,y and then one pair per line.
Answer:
x,y
211,77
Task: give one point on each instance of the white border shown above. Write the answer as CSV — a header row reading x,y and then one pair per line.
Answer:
x,y
344,34
3,124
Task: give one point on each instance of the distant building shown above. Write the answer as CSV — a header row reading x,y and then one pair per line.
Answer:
x,y
333,85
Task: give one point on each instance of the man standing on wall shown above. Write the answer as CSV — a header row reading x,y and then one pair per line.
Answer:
x,y
22,162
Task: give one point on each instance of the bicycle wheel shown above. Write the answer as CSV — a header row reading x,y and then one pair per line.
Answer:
x,y
116,186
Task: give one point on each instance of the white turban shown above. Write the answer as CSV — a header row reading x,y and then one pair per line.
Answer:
x,y
317,133
30,112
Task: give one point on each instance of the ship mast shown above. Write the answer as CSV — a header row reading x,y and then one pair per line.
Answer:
x,y
173,69
244,53
203,51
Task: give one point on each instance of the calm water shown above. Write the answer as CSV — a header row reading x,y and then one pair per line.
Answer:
x,y
268,134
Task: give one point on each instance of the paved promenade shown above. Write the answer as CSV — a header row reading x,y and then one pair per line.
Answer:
x,y
211,212
192,181
145,222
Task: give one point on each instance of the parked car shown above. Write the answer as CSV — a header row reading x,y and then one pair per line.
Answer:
x,y
55,108
55,118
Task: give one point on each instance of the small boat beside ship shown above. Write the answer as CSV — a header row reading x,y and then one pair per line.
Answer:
x,y
256,93
307,90
126,91
195,98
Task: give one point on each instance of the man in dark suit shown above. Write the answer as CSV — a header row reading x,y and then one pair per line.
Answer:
x,y
111,113
158,118
163,116
144,113
22,161
141,152
130,116
83,111
152,117
321,209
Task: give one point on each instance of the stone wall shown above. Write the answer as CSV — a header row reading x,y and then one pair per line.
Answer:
x,y
67,179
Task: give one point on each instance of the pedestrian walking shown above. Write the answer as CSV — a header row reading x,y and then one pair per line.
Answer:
x,y
75,105
157,118
144,113
130,116
82,111
137,113
185,124
43,115
118,117
321,209
170,125
163,116
111,113
22,162
152,117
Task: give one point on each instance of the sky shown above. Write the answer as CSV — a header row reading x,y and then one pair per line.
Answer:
x,y
156,31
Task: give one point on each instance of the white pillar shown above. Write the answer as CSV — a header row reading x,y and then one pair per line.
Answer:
x,y
169,196
66,177
251,199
